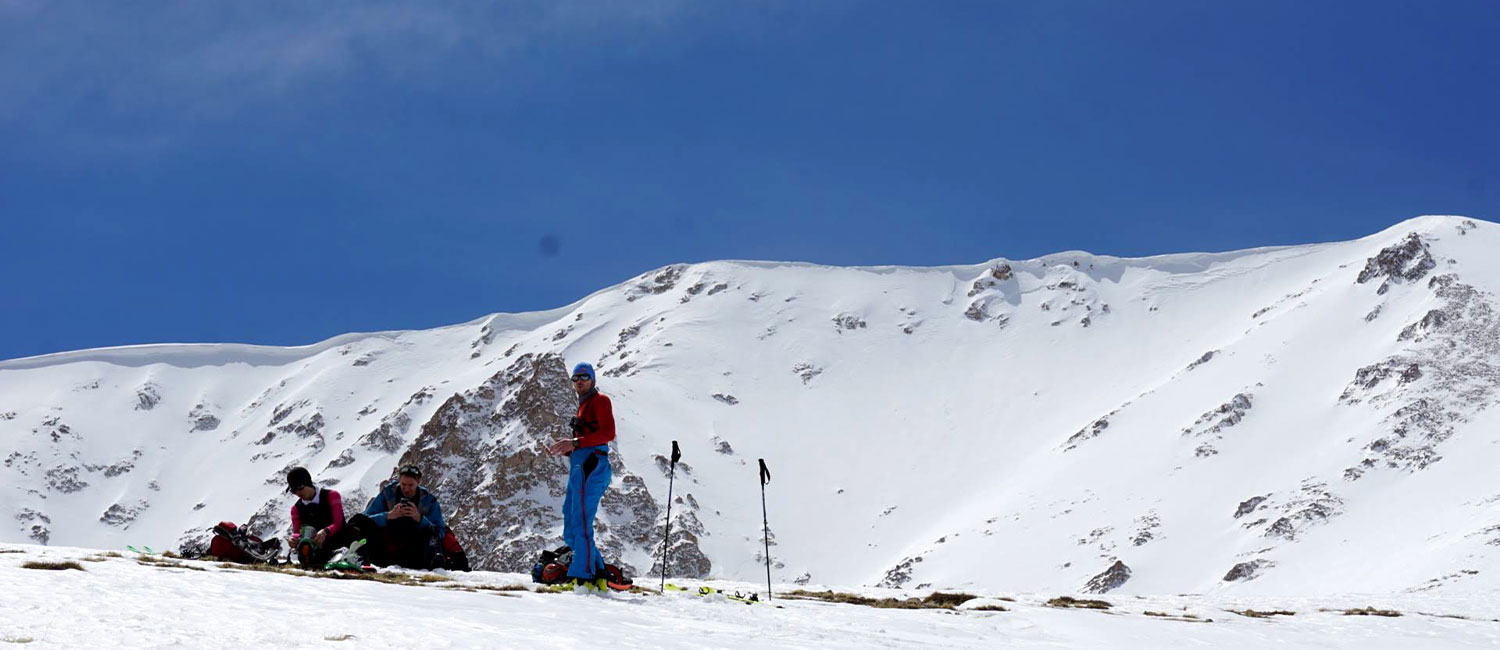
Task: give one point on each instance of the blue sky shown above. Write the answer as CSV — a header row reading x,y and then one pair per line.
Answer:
x,y
281,172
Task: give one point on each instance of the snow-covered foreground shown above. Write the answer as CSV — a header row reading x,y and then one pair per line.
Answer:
x,y
116,601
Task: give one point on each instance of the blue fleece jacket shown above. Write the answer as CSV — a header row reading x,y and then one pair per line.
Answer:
x,y
427,506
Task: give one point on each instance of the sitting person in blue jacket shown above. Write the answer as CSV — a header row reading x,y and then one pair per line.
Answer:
x,y
402,525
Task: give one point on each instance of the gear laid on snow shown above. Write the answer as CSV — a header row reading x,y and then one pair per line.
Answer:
x,y
232,543
711,593
551,568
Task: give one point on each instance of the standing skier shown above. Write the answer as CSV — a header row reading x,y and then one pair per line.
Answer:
x,y
588,476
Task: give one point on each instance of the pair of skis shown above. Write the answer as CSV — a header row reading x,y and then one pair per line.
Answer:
x,y
705,592
710,593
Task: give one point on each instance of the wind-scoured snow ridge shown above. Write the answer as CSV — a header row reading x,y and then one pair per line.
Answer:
x,y
1288,420
193,355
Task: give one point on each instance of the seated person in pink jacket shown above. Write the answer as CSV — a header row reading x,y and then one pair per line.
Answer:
x,y
317,520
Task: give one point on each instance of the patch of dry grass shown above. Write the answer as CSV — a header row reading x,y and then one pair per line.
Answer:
x,y
1078,603
504,588
393,578
52,566
935,600
1255,613
948,600
388,578
1457,616
1190,618
160,563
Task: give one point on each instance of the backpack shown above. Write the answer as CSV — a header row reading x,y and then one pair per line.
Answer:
x,y
451,555
232,544
552,568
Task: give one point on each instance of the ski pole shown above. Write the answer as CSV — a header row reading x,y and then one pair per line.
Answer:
x,y
765,477
671,477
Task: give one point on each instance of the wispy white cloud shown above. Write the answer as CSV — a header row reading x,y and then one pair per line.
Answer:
x,y
204,60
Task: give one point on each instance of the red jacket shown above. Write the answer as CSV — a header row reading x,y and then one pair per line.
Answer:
x,y
597,417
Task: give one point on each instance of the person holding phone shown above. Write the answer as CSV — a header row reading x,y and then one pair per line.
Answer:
x,y
403,523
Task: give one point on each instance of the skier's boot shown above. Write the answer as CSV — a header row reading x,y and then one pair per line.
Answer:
x,y
305,547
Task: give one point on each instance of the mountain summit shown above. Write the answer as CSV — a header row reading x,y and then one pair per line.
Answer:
x,y
1303,419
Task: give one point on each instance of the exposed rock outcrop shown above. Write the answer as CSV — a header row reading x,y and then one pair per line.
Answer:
x,y
656,283
1447,372
121,515
847,322
1112,578
147,396
899,575
1310,505
1407,261
483,453
203,418
1247,570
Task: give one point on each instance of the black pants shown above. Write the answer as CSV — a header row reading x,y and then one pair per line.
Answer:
x,y
399,543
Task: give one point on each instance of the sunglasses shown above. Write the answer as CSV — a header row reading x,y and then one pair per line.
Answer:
x,y
581,377
411,470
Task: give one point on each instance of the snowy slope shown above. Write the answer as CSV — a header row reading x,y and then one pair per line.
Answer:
x,y
114,602
1254,422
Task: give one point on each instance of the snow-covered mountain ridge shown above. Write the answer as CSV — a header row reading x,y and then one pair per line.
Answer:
x,y
1303,419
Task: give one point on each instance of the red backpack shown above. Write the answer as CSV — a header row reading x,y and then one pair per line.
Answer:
x,y
451,554
552,568
232,544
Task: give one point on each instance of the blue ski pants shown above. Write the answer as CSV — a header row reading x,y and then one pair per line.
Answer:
x,y
588,476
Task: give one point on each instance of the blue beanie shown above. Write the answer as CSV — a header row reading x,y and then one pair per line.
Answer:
x,y
584,369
